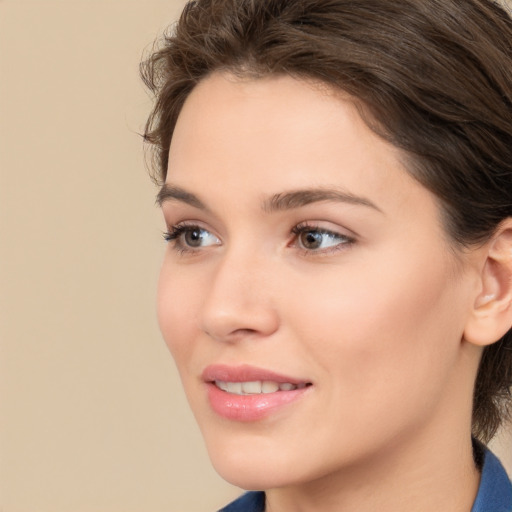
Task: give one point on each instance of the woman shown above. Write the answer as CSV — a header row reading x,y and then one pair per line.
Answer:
x,y
337,288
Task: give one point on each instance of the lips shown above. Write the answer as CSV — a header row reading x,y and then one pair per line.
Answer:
x,y
246,393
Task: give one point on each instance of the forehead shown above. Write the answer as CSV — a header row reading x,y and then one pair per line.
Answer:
x,y
268,125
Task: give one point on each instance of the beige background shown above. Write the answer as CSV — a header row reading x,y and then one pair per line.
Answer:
x,y
92,415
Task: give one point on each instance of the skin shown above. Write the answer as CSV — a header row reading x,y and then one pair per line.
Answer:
x,y
374,318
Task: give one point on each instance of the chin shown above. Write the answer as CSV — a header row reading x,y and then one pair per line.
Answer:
x,y
246,476
252,462
262,461
251,474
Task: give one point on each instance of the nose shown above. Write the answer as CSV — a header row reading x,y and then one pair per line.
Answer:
x,y
239,303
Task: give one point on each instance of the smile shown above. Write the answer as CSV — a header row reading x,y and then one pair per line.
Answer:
x,y
247,393
257,387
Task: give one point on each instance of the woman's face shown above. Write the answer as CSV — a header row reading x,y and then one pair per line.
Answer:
x,y
308,294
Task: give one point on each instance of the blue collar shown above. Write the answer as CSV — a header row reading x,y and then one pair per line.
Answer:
x,y
494,493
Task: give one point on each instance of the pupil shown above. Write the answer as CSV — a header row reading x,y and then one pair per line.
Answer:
x,y
312,240
193,237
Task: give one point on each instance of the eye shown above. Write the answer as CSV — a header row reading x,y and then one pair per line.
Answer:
x,y
311,238
188,237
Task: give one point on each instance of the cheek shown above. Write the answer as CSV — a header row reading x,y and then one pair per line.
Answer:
x,y
177,305
372,331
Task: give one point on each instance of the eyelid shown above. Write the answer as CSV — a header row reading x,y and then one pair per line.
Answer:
x,y
176,213
189,223
326,227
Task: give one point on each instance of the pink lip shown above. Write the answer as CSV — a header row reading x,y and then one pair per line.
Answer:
x,y
244,373
248,408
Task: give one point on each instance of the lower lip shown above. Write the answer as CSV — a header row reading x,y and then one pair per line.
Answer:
x,y
250,407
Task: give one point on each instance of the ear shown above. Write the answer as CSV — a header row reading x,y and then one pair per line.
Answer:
x,y
491,316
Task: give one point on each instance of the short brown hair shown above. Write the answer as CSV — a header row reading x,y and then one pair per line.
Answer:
x,y
433,77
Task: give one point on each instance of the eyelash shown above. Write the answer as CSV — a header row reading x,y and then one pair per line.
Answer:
x,y
176,232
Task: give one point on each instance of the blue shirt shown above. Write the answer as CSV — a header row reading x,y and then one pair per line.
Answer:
x,y
494,493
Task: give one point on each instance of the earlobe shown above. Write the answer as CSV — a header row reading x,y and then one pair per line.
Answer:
x,y
491,317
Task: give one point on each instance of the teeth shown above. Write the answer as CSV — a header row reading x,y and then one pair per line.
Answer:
x,y
269,387
221,385
256,387
251,388
234,387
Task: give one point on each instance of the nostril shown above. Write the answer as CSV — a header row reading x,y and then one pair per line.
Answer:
x,y
244,332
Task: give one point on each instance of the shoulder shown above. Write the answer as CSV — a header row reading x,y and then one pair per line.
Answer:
x,y
253,501
495,491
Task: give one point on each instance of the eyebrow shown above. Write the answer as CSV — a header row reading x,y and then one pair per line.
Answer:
x,y
278,202
298,198
173,193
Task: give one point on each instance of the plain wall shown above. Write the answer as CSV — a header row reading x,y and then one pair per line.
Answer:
x,y
92,417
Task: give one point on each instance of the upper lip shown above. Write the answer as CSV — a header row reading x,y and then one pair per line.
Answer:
x,y
246,373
